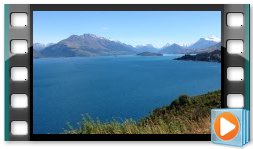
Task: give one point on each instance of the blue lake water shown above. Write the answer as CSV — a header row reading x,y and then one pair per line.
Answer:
x,y
112,87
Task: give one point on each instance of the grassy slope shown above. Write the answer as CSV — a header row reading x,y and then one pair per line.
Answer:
x,y
186,115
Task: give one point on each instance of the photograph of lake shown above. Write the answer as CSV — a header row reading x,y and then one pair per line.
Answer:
x,y
127,72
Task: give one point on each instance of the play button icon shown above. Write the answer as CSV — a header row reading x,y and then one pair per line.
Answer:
x,y
226,126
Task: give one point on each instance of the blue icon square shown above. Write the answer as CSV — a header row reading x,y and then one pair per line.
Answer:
x,y
238,140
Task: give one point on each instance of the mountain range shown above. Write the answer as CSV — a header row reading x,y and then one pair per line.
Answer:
x,y
92,45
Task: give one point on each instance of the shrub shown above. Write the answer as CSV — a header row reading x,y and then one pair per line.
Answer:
x,y
183,99
175,103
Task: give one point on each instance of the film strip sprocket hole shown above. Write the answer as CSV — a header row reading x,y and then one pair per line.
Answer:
x,y
18,63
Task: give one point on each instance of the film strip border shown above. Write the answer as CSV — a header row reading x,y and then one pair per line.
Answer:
x,y
14,86
238,61
236,89
12,60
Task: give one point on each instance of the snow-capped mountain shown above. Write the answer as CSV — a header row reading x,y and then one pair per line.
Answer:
x,y
213,38
184,45
203,43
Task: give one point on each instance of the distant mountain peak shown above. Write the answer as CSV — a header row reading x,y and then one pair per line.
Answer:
x,y
41,46
89,35
146,45
173,49
93,36
166,45
146,48
175,45
86,35
184,45
212,38
203,43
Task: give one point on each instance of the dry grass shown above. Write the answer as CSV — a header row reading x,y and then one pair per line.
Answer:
x,y
187,115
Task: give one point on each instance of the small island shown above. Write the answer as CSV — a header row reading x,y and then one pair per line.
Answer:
x,y
149,54
214,56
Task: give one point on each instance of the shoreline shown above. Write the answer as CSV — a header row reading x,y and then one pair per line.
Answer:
x,y
159,118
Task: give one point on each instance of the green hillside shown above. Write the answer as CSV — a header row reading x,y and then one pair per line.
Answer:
x,y
185,115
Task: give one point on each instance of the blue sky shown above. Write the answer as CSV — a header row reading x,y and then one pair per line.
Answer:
x,y
130,27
